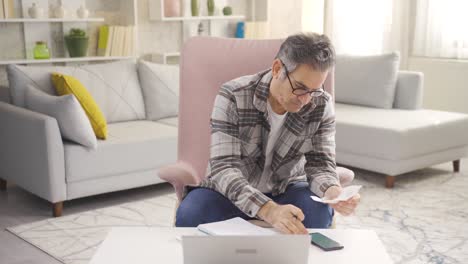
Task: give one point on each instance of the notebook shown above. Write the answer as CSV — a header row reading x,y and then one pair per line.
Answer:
x,y
235,227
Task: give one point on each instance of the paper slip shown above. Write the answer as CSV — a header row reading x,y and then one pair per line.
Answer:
x,y
347,193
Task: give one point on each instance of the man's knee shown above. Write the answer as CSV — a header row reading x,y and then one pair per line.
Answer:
x,y
190,211
201,206
318,216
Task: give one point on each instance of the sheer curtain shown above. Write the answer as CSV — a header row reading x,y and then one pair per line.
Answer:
x,y
366,27
441,29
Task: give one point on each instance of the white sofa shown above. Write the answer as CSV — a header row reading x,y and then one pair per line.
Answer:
x,y
34,156
383,128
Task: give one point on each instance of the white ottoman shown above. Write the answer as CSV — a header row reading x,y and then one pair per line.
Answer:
x,y
396,141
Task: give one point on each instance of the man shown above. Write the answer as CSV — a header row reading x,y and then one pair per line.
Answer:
x,y
273,145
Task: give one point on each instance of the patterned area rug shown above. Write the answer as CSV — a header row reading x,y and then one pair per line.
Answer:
x,y
424,219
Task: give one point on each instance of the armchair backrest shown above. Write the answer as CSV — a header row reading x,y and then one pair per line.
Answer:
x,y
206,64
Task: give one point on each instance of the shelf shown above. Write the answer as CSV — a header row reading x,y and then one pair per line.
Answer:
x,y
197,18
48,20
164,57
57,60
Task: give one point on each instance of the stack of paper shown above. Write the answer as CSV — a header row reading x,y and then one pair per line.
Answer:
x,y
235,227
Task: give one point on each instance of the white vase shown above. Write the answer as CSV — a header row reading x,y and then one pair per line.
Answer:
x,y
59,12
186,10
82,12
35,12
171,8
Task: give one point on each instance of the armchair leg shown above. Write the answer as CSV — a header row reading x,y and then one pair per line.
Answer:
x,y
57,209
389,181
456,165
3,184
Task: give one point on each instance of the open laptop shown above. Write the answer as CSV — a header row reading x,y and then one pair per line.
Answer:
x,y
278,249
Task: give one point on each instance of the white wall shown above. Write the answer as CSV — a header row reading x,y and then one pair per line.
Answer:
x,y
445,83
294,16
313,12
284,17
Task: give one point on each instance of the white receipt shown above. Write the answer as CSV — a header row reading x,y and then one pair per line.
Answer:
x,y
345,195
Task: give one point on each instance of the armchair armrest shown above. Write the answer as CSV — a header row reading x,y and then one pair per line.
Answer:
x,y
409,90
179,175
31,152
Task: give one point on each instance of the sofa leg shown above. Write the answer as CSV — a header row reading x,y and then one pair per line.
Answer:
x,y
456,165
57,209
3,184
389,181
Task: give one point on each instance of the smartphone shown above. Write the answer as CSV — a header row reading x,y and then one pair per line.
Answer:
x,y
324,242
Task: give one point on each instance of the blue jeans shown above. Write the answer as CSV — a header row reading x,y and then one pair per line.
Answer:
x,y
203,205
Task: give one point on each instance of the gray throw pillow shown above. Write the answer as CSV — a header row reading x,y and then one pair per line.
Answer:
x,y
160,86
366,80
73,123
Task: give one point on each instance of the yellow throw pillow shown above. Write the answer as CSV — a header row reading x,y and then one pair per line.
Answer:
x,y
65,84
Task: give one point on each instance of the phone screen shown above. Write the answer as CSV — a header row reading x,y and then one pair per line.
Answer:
x,y
324,242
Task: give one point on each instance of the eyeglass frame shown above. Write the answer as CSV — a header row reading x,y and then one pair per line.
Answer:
x,y
318,92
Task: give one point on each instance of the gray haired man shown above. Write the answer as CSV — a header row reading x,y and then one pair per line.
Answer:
x,y
273,145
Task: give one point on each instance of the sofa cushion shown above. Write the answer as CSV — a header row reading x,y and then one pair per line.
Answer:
x,y
160,85
130,147
366,80
114,86
395,134
172,121
71,118
68,85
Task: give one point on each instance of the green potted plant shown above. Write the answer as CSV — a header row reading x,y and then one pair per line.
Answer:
x,y
77,42
227,10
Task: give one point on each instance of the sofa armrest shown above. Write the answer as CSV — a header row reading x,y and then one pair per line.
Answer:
x,y
409,90
4,94
31,152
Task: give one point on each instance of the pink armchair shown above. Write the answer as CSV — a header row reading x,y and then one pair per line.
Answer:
x,y
206,64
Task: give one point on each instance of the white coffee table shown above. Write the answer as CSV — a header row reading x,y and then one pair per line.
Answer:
x,y
145,245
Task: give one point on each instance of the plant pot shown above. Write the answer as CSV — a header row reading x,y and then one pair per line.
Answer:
x,y
77,46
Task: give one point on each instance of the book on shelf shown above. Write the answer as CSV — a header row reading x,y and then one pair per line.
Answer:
x,y
8,7
2,10
116,41
103,38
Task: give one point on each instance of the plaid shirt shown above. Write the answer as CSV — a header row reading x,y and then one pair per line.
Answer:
x,y
304,151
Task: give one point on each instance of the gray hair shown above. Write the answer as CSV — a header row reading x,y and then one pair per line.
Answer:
x,y
306,48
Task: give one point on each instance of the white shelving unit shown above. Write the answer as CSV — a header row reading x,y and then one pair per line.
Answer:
x,y
60,60
50,20
198,18
40,29
214,26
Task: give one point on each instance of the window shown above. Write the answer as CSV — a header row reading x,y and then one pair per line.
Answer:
x,y
441,29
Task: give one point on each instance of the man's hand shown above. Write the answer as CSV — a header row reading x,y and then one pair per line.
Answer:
x,y
346,207
286,218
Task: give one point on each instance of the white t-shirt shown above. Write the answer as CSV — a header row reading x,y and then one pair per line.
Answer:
x,y
265,184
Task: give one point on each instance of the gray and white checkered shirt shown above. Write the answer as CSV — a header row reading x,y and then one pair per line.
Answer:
x,y
304,151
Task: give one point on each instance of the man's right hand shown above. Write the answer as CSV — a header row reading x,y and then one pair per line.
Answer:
x,y
286,218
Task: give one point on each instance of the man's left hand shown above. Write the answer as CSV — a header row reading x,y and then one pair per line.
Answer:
x,y
345,207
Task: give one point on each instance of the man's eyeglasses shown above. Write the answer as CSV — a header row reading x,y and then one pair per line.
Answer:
x,y
303,91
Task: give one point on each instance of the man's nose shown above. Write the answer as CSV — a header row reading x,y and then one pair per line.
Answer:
x,y
305,98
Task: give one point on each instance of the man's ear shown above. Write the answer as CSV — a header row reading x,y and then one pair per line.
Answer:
x,y
276,68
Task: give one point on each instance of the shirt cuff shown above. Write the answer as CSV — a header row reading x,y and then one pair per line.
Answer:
x,y
321,184
256,201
